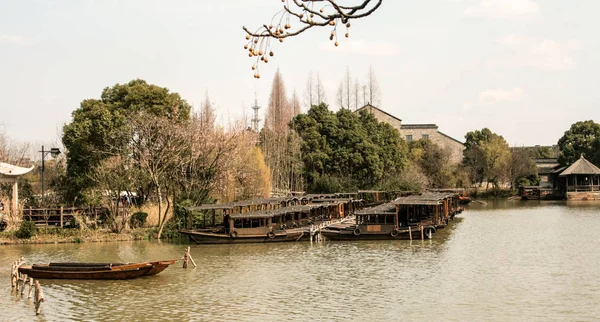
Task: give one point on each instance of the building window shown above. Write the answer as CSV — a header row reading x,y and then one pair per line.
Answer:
x,y
409,138
425,136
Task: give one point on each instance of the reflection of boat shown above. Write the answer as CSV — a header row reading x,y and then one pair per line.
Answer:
x,y
100,271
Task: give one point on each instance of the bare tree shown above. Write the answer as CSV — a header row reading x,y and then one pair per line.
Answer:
x,y
295,104
278,112
373,93
356,94
320,91
340,95
348,88
309,92
207,112
158,146
114,177
308,14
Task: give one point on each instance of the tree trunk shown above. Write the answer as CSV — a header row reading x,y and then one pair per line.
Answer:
x,y
159,194
164,218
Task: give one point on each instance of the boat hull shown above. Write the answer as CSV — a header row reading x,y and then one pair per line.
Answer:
x,y
201,237
95,271
349,235
111,274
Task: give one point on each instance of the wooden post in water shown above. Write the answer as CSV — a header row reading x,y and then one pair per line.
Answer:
x,y
409,233
30,287
23,283
39,298
422,232
12,275
188,257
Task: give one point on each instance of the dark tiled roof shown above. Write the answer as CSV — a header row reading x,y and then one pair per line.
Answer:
x,y
581,166
418,126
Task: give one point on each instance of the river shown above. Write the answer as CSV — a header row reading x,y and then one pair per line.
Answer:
x,y
507,261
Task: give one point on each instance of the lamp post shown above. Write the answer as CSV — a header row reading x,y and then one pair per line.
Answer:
x,y
54,152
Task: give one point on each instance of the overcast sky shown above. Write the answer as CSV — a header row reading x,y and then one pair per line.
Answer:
x,y
526,69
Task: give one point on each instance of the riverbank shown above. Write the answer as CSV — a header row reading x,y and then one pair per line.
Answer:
x,y
61,236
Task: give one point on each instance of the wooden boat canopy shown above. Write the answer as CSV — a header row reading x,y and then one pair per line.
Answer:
x,y
211,207
426,199
281,211
245,203
383,209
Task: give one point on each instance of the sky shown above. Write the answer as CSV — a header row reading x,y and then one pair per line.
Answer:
x,y
526,69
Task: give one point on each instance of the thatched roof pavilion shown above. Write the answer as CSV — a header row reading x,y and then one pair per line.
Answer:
x,y
582,175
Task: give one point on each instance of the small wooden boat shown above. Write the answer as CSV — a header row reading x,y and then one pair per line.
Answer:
x,y
101,271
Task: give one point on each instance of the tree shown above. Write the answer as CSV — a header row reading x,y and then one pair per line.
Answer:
x,y
277,141
207,112
339,95
97,130
278,112
373,95
356,95
347,150
582,139
158,148
321,96
521,167
309,92
295,104
434,161
114,176
486,156
542,152
307,14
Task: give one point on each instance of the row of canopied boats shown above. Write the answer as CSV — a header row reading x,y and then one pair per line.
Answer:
x,y
342,216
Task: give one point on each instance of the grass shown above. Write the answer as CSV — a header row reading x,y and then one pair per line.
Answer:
x,y
58,235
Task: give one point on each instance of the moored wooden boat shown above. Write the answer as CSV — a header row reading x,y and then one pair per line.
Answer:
x,y
377,223
285,224
240,236
102,271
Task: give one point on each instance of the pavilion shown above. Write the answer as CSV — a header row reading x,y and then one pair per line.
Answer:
x,y
582,180
10,174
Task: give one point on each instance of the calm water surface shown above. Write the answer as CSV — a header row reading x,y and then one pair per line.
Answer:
x,y
508,261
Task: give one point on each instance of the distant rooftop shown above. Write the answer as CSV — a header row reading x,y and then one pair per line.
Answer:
x,y
369,106
581,166
418,126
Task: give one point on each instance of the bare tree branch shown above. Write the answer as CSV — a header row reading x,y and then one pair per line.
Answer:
x,y
309,14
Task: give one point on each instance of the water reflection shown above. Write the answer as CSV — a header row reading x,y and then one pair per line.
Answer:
x,y
505,261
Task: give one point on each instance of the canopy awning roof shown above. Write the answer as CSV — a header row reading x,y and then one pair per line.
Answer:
x,y
426,199
581,166
383,209
12,171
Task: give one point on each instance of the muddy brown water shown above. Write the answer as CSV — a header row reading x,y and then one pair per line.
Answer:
x,y
507,261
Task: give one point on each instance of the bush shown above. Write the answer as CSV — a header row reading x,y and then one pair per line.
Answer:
x,y
26,230
138,219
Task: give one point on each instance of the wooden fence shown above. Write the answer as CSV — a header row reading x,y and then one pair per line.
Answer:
x,y
61,216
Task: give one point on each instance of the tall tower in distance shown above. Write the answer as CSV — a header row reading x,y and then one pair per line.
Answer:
x,y
255,119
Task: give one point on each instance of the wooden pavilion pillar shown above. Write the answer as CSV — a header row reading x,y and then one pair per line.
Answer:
x,y
15,199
